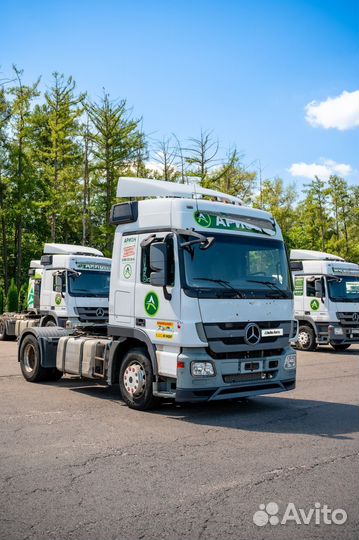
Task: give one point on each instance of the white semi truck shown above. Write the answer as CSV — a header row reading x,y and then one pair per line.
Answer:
x,y
69,285
326,293
201,303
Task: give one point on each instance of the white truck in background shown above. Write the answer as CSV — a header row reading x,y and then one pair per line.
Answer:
x,y
68,286
201,303
326,300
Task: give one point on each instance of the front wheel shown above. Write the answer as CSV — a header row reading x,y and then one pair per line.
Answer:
x,y
136,376
30,362
306,339
340,346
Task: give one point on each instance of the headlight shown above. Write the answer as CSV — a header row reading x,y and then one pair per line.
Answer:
x,y
202,369
338,331
290,361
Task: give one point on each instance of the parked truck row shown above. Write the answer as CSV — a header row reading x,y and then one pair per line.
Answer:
x,y
201,303
68,286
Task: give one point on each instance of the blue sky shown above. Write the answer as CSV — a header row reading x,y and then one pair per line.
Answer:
x,y
244,69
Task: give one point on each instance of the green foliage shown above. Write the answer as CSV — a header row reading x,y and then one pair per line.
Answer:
x,y
12,298
22,297
61,155
2,300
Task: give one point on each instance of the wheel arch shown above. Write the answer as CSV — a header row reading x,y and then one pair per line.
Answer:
x,y
121,346
47,338
307,321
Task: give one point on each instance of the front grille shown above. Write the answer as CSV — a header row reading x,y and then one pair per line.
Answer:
x,y
242,377
348,318
243,355
228,339
92,314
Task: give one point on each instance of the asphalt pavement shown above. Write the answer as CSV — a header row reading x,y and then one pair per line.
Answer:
x,y
76,463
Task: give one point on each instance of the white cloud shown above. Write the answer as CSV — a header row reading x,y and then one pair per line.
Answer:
x,y
341,112
323,169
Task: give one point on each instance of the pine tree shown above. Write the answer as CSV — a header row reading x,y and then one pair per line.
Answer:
x,y
116,140
12,297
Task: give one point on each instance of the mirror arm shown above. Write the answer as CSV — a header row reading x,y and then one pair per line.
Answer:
x,y
166,294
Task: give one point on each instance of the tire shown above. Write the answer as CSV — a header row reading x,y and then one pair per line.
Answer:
x,y
50,322
30,362
135,380
340,346
306,339
3,334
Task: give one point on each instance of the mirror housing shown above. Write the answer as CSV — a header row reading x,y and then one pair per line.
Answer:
x,y
59,281
318,285
159,264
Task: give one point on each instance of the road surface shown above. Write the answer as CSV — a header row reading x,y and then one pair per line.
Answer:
x,y
75,463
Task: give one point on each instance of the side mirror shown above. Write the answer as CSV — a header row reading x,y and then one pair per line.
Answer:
x,y
319,292
59,280
159,264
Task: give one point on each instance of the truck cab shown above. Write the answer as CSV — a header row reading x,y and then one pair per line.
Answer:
x,y
75,285
326,293
201,303
69,286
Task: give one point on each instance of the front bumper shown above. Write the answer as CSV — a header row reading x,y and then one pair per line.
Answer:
x,y
231,379
327,333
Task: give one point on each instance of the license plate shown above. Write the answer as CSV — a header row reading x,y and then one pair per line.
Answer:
x,y
267,332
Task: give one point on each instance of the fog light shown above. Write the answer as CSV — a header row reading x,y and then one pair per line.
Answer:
x,y
290,361
202,369
338,331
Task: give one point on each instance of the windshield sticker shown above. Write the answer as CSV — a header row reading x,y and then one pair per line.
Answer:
x,y
299,286
152,304
93,266
165,330
212,221
314,305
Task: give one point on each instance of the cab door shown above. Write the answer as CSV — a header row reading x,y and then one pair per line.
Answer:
x,y
158,309
313,305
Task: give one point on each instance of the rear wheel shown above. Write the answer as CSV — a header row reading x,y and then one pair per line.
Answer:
x,y
340,346
30,362
306,339
50,322
136,376
3,334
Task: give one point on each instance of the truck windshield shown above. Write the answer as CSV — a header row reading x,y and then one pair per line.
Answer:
x,y
237,266
343,289
89,283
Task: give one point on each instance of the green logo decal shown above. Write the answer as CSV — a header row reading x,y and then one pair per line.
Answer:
x,y
31,297
314,305
58,299
127,271
229,223
203,219
299,286
152,303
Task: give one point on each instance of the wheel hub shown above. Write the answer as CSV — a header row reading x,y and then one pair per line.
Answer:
x,y
29,358
134,379
303,338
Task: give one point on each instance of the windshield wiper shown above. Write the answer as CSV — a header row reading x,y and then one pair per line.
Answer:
x,y
269,284
223,282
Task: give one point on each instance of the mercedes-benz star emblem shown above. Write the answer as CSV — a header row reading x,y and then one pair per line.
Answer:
x,y
252,334
356,317
100,313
